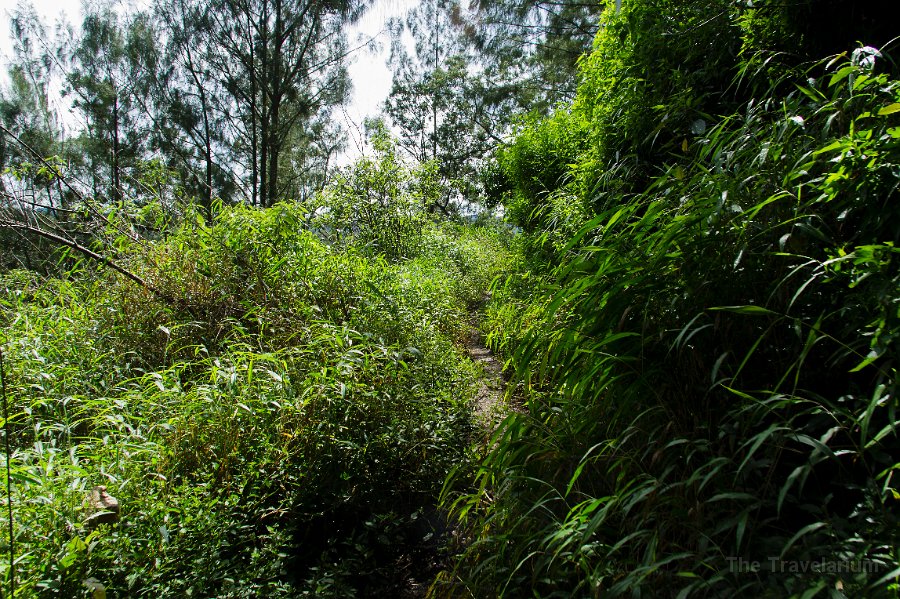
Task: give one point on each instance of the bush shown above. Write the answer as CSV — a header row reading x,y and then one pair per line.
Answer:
x,y
709,370
275,413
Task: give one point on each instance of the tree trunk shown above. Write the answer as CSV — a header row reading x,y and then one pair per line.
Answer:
x,y
116,181
275,85
274,151
207,129
254,117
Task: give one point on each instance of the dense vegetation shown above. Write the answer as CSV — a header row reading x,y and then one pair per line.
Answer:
x,y
706,331
279,413
695,293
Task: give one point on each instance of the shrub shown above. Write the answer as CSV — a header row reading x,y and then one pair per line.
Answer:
x,y
709,369
276,416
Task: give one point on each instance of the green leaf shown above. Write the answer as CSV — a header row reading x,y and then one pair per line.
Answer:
x,y
733,496
789,483
840,75
741,528
759,310
870,410
24,478
890,575
832,146
890,109
869,359
757,441
813,591
803,531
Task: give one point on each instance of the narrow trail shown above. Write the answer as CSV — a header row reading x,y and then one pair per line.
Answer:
x,y
490,406
491,402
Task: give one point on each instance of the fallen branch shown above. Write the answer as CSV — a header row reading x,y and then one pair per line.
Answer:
x,y
71,243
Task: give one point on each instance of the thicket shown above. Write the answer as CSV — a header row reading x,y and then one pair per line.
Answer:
x,y
704,326
275,411
702,323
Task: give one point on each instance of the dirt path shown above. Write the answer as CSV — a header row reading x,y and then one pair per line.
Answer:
x,y
422,563
490,404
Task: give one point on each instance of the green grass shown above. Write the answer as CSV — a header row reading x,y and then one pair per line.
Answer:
x,y
280,425
707,358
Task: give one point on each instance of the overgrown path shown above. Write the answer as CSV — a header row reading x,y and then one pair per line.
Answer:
x,y
490,406
422,563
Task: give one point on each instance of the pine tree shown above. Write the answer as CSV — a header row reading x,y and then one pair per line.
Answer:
x,y
281,66
102,82
531,49
26,109
435,99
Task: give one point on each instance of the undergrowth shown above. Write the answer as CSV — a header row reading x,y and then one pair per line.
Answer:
x,y
699,314
705,334
275,412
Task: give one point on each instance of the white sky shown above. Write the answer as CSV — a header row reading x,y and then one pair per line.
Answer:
x,y
49,10
370,75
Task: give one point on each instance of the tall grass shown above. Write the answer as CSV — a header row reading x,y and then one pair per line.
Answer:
x,y
710,369
280,425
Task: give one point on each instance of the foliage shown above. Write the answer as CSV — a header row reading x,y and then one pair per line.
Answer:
x,y
276,418
530,50
536,164
709,367
698,313
379,202
234,97
436,98
808,29
641,93
472,72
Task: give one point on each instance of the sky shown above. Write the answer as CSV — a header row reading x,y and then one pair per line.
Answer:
x,y
370,75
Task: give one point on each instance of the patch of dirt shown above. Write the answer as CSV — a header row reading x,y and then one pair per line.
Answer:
x,y
491,405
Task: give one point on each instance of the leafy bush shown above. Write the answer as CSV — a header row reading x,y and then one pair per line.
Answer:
x,y
378,203
275,413
709,370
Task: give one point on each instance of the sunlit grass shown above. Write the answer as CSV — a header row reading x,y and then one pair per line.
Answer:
x,y
295,402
